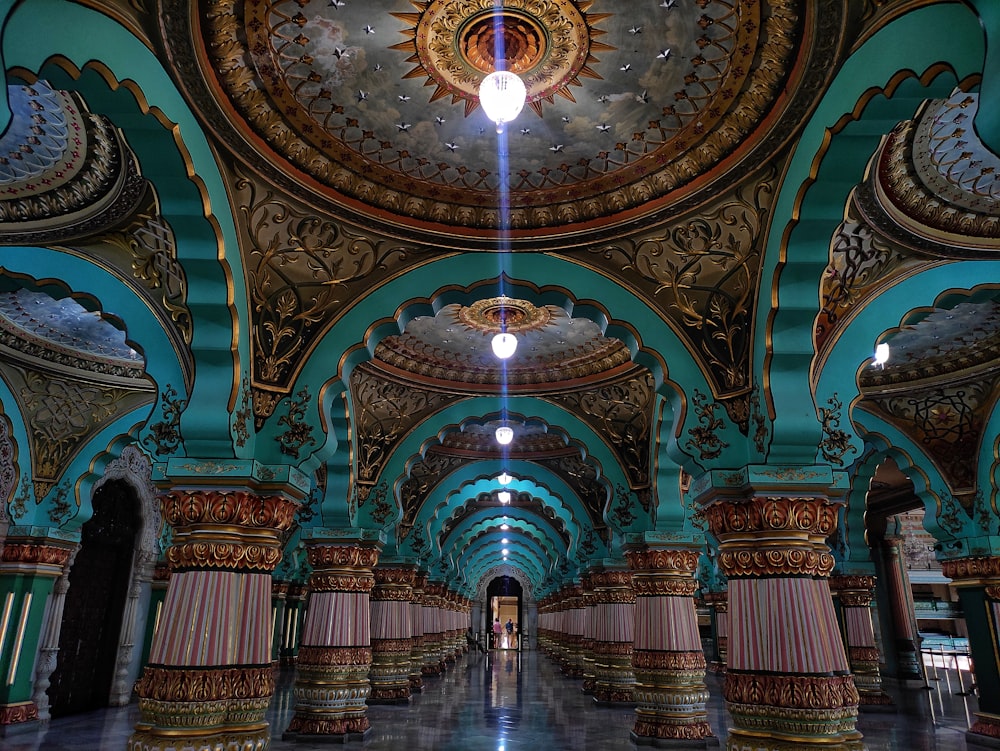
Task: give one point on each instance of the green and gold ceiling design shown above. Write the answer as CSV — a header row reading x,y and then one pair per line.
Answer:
x,y
273,239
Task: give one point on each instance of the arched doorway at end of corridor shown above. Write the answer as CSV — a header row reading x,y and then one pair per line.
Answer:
x,y
504,613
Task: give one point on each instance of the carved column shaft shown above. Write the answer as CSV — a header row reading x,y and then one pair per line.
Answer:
x,y
417,645
903,619
208,680
614,635
48,651
719,602
788,684
30,567
332,683
668,661
590,616
856,594
392,634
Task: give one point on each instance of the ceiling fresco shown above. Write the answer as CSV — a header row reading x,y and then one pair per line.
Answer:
x,y
377,101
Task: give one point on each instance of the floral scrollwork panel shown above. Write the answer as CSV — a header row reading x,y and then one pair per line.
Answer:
x,y
384,413
947,421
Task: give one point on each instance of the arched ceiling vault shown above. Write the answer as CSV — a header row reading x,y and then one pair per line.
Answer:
x,y
293,208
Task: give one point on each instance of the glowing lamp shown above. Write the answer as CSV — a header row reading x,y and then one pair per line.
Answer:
x,y
504,345
502,96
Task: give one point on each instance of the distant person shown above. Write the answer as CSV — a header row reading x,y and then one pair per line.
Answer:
x,y
497,628
509,627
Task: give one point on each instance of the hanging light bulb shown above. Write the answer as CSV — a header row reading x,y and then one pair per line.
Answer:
x,y
505,551
505,526
504,345
882,354
502,96
504,479
504,541
503,496
505,434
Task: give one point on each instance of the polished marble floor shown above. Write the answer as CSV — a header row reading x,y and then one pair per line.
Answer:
x,y
511,701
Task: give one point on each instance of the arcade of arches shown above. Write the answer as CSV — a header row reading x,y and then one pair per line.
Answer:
x,y
253,256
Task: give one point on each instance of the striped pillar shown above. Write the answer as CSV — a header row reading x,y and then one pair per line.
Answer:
x,y
392,634
614,635
668,661
575,614
431,617
291,629
719,602
209,680
855,594
904,624
417,643
450,626
589,630
788,684
331,682
279,594
978,582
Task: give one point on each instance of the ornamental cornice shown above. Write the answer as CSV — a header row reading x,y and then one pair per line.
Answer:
x,y
968,570
332,657
664,587
35,554
812,516
326,556
860,582
208,555
326,581
744,562
656,560
186,508
650,659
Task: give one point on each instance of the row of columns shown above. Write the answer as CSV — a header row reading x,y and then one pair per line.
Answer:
x,y
789,680
370,632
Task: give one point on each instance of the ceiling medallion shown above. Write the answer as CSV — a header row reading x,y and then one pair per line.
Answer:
x,y
547,43
496,313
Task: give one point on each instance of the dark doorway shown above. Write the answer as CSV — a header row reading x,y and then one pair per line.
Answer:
x,y
92,615
504,601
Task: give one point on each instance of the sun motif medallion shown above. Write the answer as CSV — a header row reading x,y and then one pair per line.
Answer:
x,y
455,44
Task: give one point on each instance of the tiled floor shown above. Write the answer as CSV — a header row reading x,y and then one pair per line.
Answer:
x,y
519,702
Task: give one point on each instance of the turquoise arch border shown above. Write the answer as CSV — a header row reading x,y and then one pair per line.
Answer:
x,y
210,225
916,44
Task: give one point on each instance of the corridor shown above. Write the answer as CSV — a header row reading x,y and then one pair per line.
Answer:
x,y
509,701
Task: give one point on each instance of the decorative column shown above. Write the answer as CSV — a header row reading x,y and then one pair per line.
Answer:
x,y
392,633
451,648
668,661
614,635
978,582
209,680
331,682
788,683
279,594
575,616
430,618
909,665
417,644
33,558
48,650
291,630
719,602
855,593
590,616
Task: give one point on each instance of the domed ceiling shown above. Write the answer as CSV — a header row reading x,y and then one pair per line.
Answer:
x,y
375,103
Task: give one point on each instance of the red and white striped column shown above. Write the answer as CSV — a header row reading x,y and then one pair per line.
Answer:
x,y
208,680
392,634
719,603
668,660
417,643
433,661
614,679
575,615
590,616
331,682
855,594
788,683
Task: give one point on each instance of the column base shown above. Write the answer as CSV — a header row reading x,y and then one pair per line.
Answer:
x,y
710,741
984,733
18,718
389,696
880,702
145,738
739,740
